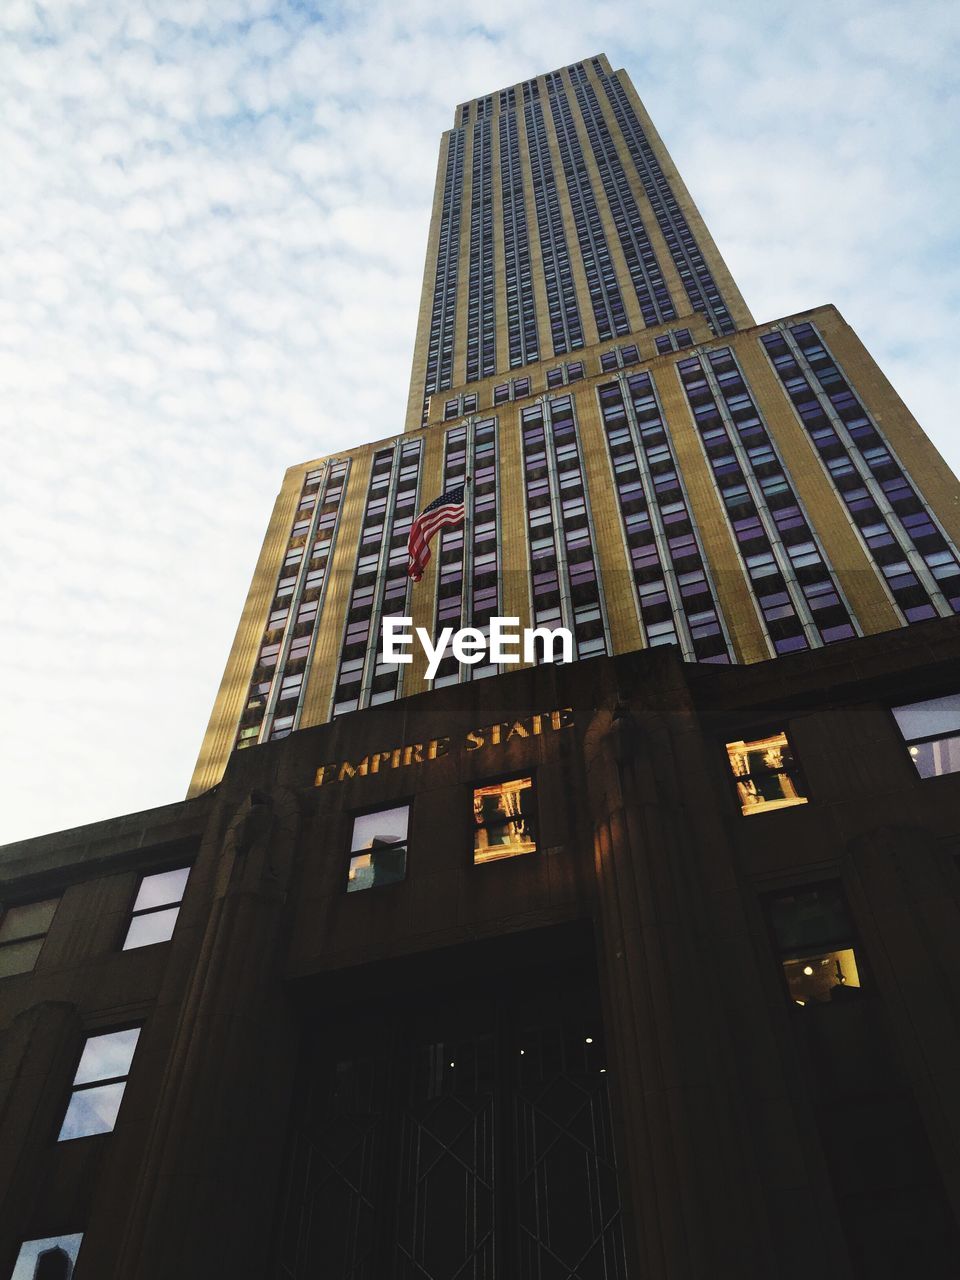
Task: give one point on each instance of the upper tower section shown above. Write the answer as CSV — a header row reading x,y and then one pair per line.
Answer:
x,y
559,222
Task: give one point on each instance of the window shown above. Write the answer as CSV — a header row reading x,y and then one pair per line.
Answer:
x,y
22,931
814,938
99,1084
766,774
50,1259
504,820
931,731
156,908
378,848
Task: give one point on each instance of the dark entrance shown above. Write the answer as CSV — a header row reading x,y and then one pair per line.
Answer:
x,y
459,1135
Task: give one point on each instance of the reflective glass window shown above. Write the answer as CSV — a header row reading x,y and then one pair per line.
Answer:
x,y
99,1084
378,848
156,908
504,820
814,936
23,929
49,1259
766,774
931,730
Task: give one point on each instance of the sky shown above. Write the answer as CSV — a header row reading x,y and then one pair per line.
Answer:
x,y
213,218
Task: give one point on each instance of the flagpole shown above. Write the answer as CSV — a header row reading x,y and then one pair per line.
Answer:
x,y
467,558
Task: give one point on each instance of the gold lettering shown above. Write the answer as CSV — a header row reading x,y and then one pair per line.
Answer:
x,y
536,724
473,740
566,718
346,771
438,747
395,755
378,758
325,773
494,732
517,730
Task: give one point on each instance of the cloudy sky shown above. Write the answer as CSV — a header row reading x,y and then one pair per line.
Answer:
x,y
213,218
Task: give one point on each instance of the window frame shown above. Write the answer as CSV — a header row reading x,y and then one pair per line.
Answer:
x,y
132,914
52,1242
476,784
362,812
907,743
31,937
850,941
796,772
92,1033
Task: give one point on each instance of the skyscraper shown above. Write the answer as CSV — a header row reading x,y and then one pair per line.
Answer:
x,y
638,966
649,465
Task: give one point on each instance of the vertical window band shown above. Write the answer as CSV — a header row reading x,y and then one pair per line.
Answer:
x,y
275,695
564,576
481,322
652,293
565,325
521,307
675,597
380,583
469,574
799,600
608,309
917,562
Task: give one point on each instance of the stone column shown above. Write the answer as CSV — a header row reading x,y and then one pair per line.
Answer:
x,y
904,891
205,1198
37,1055
705,1107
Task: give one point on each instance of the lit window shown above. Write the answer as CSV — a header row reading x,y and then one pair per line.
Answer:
x,y
99,1084
22,931
815,941
766,773
931,731
156,908
378,849
504,820
50,1259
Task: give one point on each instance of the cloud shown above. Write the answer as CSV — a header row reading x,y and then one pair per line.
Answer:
x,y
214,219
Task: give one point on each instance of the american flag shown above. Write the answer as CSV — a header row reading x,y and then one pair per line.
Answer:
x,y
442,513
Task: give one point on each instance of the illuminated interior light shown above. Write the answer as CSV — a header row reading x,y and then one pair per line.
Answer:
x,y
808,970
589,1040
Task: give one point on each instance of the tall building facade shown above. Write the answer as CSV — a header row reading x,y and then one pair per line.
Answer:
x,y
638,967
648,465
